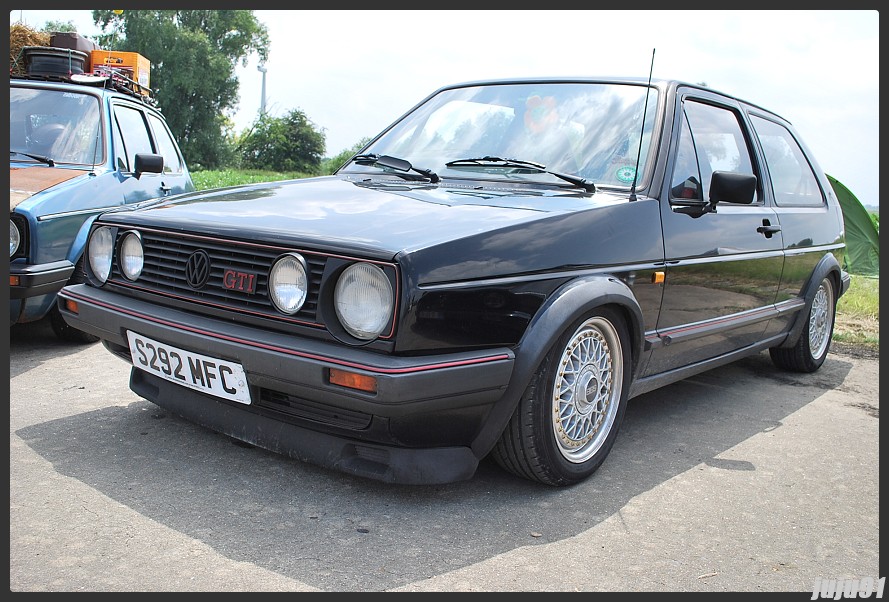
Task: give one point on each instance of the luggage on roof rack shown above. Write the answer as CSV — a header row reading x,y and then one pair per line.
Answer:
x,y
68,56
49,60
75,41
131,65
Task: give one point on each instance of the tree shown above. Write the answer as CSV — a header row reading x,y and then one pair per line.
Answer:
x,y
60,26
328,166
289,143
193,54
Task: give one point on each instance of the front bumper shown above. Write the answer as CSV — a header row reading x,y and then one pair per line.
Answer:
x,y
33,288
36,280
416,429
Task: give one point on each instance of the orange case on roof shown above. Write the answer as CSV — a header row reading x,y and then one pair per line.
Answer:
x,y
133,61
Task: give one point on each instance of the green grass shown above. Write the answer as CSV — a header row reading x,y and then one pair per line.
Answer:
x,y
863,298
858,313
204,180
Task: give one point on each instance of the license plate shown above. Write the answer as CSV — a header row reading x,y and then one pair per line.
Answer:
x,y
200,372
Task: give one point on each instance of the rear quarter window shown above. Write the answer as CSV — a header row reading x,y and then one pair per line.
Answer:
x,y
793,181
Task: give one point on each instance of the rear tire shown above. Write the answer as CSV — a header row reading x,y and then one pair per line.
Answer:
x,y
811,349
60,327
568,418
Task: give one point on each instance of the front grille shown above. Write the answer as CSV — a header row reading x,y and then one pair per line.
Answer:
x,y
164,272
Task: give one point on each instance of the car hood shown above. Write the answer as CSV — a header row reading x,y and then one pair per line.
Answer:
x,y
378,218
25,182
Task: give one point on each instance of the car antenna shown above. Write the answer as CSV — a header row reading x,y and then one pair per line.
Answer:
x,y
642,132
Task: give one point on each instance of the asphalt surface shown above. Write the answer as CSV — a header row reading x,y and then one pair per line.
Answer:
x,y
744,478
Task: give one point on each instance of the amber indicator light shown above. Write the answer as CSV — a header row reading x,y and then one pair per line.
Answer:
x,y
362,382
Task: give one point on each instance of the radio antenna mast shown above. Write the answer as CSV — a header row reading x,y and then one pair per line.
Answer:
x,y
642,130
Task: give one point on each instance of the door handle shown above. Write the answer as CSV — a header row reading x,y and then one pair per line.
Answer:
x,y
767,229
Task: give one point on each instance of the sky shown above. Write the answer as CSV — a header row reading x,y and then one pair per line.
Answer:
x,y
353,73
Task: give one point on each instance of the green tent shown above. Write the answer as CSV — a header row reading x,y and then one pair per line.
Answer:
x,y
862,238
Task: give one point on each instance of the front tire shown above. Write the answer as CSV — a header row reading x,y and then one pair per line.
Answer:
x,y
811,349
568,418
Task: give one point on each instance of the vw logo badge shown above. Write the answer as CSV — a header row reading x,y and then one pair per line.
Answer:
x,y
197,269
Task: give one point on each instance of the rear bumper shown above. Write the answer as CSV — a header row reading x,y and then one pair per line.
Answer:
x,y
845,283
416,429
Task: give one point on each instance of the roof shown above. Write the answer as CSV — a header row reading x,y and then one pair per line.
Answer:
x,y
93,83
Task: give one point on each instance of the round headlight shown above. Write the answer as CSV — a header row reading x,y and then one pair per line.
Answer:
x,y
132,258
101,248
15,238
289,283
363,300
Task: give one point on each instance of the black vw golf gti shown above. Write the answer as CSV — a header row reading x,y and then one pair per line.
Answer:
x,y
498,272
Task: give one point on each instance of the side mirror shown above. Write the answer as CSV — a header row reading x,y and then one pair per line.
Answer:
x,y
148,163
732,187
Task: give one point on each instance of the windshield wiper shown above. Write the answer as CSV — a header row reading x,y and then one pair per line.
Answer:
x,y
395,163
505,163
41,158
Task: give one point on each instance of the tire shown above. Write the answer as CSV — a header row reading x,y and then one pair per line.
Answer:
x,y
569,415
60,327
811,349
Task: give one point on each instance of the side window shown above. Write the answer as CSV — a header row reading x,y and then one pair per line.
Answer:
x,y
120,152
165,144
719,141
686,182
135,132
793,181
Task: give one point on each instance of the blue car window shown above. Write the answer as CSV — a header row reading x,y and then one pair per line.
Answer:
x,y
61,125
135,132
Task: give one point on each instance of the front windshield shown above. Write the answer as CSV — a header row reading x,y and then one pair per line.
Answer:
x,y
60,125
591,130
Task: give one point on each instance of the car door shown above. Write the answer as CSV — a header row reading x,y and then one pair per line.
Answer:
x,y
723,266
133,135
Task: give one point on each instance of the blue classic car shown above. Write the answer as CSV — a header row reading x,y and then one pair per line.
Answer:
x,y
74,152
496,273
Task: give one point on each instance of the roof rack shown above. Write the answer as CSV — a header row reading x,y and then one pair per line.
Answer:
x,y
115,80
